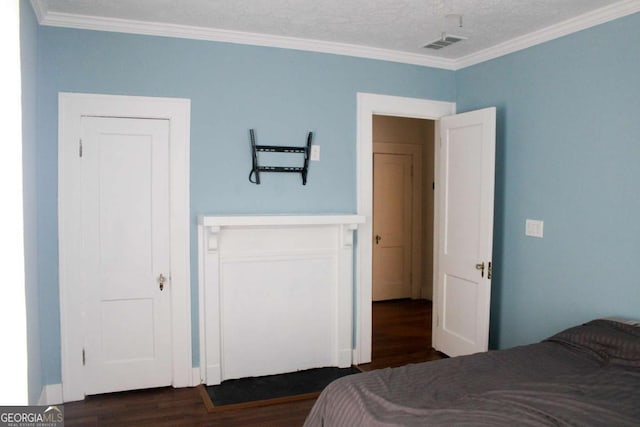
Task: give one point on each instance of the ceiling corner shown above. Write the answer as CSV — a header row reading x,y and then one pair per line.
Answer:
x,y
570,26
40,9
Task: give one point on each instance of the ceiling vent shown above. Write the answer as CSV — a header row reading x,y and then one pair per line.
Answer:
x,y
444,41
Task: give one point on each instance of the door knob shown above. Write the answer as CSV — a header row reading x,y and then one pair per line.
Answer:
x,y
378,238
161,280
481,268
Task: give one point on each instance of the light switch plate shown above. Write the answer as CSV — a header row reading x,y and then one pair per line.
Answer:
x,y
315,153
534,228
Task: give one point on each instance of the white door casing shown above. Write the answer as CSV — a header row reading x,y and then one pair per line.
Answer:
x,y
125,241
72,108
464,221
368,105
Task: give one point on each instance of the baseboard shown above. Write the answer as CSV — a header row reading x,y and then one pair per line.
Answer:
x,y
356,358
195,377
51,394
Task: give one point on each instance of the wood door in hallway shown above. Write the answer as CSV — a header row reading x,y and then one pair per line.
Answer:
x,y
392,207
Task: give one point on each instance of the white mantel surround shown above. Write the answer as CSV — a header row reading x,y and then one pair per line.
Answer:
x,y
276,293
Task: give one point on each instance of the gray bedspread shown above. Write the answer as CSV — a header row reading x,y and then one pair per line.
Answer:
x,y
585,376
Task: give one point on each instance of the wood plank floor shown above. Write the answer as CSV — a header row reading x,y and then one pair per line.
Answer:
x,y
401,335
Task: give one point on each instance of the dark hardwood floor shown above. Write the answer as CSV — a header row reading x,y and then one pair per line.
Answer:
x,y
401,335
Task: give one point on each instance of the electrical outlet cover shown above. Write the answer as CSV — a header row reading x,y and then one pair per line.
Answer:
x,y
315,153
534,228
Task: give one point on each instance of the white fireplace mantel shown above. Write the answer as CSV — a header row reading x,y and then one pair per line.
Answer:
x,y
276,293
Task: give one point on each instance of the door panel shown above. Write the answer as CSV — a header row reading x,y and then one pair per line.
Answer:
x,y
392,201
125,238
460,296
464,191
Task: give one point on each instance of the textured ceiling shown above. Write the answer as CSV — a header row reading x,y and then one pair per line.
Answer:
x,y
396,25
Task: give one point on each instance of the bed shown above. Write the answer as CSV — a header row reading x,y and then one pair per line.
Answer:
x,y
588,375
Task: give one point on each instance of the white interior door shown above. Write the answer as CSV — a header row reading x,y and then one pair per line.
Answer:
x,y
392,211
125,250
464,192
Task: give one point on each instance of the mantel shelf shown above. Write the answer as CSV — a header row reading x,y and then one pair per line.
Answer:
x,y
268,220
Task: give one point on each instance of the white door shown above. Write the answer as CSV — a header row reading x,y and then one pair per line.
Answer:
x,y
126,253
464,192
392,211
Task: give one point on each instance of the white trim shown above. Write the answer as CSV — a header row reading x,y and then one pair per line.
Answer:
x,y
195,377
98,23
51,394
201,305
570,26
72,106
40,9
264,220
368,105
581,22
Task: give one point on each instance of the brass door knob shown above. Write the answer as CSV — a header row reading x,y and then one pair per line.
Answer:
x,y
481,268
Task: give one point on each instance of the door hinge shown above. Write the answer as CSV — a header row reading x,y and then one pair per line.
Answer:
x,y
80,148
433,185
83,358
489,271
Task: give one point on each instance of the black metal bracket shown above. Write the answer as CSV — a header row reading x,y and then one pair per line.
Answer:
x,y
254,176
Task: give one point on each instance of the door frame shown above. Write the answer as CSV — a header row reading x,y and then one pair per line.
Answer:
x,y
71,108
369,104
415,152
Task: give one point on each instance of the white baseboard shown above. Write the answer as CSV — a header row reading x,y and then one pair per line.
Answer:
x,y
51,394
196,378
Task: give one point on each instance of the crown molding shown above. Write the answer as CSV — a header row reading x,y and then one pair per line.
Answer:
x,y
570,26
199,33
40,9
587,20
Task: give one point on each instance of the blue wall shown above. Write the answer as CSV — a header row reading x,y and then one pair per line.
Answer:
x,y
28,53
281,93
568,153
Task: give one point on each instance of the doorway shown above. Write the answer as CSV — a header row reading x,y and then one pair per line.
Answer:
x,y
475,129
368,106
403,203
74,292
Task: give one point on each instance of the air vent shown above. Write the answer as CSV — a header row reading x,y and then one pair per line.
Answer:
x,y
444,42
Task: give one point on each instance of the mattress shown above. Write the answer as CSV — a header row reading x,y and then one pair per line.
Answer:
x,y
586,375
